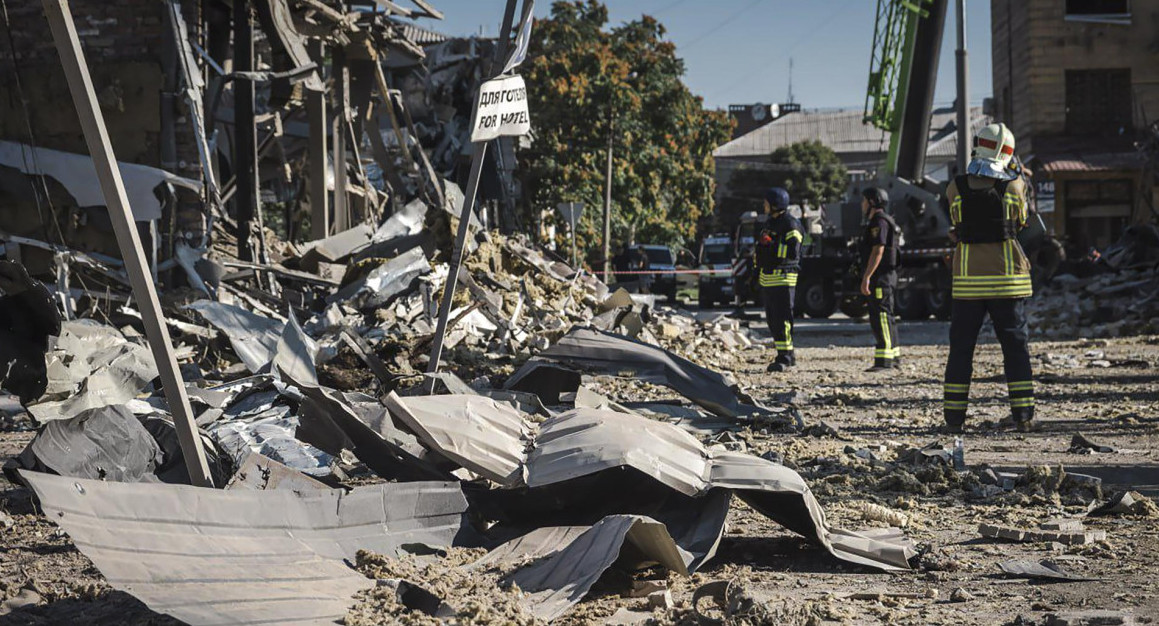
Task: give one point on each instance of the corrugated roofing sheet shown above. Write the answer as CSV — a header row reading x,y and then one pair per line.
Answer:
x,y
843,131
209,556
583,442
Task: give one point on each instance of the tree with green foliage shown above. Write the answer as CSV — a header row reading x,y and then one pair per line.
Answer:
x,y
810,170
587,83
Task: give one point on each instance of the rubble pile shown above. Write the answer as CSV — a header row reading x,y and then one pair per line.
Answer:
x,y
527,442
1122,299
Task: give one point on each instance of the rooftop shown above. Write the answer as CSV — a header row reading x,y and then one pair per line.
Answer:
x,y
844,132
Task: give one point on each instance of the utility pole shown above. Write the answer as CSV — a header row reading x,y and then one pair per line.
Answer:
x,y
608,199
92,123
245,162
963,92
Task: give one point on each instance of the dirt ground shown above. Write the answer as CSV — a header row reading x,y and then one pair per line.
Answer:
x,y
1108,390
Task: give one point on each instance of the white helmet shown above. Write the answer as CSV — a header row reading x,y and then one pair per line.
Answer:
x,y
993,150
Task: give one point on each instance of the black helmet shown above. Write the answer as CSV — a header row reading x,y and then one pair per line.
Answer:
x,y
876,196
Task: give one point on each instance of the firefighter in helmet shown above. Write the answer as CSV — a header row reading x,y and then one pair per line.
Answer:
x,y
991,275
778,257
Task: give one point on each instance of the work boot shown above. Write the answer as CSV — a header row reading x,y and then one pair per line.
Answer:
x,y
955,421
777,366
881,365
1021,419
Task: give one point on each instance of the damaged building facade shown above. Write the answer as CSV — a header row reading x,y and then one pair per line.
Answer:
x,y
365,86
1078,84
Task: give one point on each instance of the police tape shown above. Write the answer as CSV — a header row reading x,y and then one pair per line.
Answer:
x,y
722,272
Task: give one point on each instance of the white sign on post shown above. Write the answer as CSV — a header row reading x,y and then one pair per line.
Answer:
x,y
502,110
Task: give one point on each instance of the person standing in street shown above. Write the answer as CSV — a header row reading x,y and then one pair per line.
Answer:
x,y
991,276
778,258
879,254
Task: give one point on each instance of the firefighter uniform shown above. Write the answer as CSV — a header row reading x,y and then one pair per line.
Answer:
x,y
991,276
882,230
778,256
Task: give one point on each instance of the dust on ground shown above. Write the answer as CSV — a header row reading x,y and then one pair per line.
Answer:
x,y
1106,389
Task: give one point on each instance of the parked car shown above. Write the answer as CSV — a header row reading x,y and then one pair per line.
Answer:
x,y
662,258
716,255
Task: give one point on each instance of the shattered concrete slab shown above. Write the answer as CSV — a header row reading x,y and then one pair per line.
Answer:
x,y
243,557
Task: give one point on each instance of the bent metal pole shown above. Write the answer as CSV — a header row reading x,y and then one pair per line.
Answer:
x,y
465,212
96,136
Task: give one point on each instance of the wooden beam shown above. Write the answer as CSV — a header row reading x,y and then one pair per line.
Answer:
x,y
96,136
316,118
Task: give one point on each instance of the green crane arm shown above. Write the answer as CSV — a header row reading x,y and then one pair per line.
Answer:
x,y
894,34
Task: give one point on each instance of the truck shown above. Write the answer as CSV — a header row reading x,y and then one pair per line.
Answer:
x,y
899,99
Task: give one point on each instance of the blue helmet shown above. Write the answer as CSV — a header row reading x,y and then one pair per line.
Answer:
x,y
777,198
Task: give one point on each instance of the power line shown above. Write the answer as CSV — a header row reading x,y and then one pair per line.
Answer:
x,y
728,20
800,40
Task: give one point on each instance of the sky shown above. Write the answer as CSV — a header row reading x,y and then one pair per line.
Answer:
x,y
737,51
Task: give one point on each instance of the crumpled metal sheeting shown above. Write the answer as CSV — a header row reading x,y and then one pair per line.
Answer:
x,y
254,337
780,494
386,281
494,434
272,433
242,557
409,221
92,366
105,443
263,473
592,351
577,557
584,441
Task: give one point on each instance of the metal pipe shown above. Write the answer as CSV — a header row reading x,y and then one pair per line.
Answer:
x,y
608,200
963,70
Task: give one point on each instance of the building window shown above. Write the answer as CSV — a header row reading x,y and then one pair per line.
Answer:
x,y
1097,211
1098,101
1099,11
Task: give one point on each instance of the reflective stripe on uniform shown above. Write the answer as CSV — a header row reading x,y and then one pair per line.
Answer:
x,y
957,387
1020,403
878,295
956,405
1023,385
788,336
778,278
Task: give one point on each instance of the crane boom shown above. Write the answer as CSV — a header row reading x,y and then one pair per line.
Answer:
x,y
902,74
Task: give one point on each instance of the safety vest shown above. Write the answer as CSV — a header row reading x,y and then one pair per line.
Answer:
x,y
889,257
988,261
778,252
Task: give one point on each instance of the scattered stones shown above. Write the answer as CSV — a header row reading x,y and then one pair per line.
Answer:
x,y
961,595
1090,618
1070,538
877,513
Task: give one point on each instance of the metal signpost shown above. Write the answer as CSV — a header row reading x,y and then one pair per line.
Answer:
x,y
501,110
571,211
